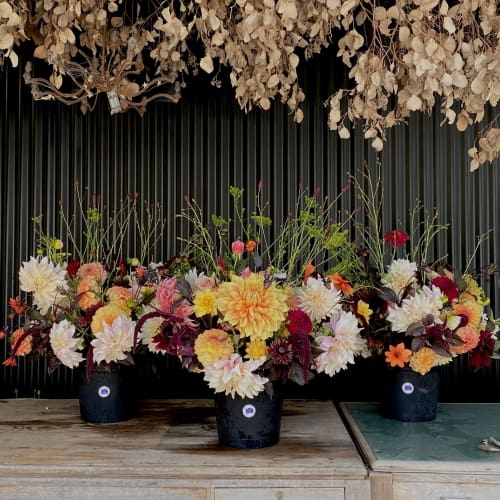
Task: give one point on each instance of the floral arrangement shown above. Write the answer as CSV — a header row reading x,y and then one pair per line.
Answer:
x,y
421,315
248,310
84,307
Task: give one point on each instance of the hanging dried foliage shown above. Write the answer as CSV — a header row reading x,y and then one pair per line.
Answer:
x,y
401,56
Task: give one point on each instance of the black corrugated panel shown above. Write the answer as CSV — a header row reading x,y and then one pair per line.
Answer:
x,y
199,148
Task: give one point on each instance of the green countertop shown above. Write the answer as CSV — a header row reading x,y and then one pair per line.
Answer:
x,y
453,437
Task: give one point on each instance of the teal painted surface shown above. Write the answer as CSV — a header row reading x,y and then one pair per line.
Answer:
x,y
454,435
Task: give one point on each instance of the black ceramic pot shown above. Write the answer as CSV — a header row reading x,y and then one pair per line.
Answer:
x,y
248,423
410,397
107,396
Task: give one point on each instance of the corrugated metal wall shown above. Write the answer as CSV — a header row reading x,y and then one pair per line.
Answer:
x,y
199,148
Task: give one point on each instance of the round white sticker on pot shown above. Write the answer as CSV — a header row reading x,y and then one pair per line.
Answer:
x,y
249,411
104,391
408,388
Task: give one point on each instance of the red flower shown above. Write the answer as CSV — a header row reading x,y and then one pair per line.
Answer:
x,y
396,238
447,286
73,267
221,264
281,351
298,321
480,356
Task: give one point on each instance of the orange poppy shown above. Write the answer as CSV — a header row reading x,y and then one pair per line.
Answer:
x,y
397,355
10,362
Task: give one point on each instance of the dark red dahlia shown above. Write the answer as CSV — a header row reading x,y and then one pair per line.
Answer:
x,y
298,321
447,286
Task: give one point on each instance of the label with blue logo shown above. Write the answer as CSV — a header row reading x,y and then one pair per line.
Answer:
x,y
249,411
104,391
408,388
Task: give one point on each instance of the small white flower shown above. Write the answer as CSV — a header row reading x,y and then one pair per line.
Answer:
x,y
317,300
400,274
44,280
235,376
115,341
64,344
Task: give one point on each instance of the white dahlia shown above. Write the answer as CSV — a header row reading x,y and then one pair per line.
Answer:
x,y
340,348
400,274
149,330
317,300
44,280
64,344
115,341
235,376
413,309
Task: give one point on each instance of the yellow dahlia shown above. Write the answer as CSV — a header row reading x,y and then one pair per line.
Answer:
x,y
364,310
256,349
212,346
423,360
107,314
255,310
204,303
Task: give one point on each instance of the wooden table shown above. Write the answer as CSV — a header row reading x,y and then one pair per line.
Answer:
x,y
171,451
437,460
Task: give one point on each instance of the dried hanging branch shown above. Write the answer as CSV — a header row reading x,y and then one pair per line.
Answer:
x,y
402,56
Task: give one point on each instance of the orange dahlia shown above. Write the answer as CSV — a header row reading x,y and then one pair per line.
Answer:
x,y
88,292
471,310
470,338
107,314
255,310
423,360
397,355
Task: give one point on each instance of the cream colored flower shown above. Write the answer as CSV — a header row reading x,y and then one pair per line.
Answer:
x,y
199,281
400,274
64,344
149,330
317,300
414,309
44,280
115,341
235,376
340,348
